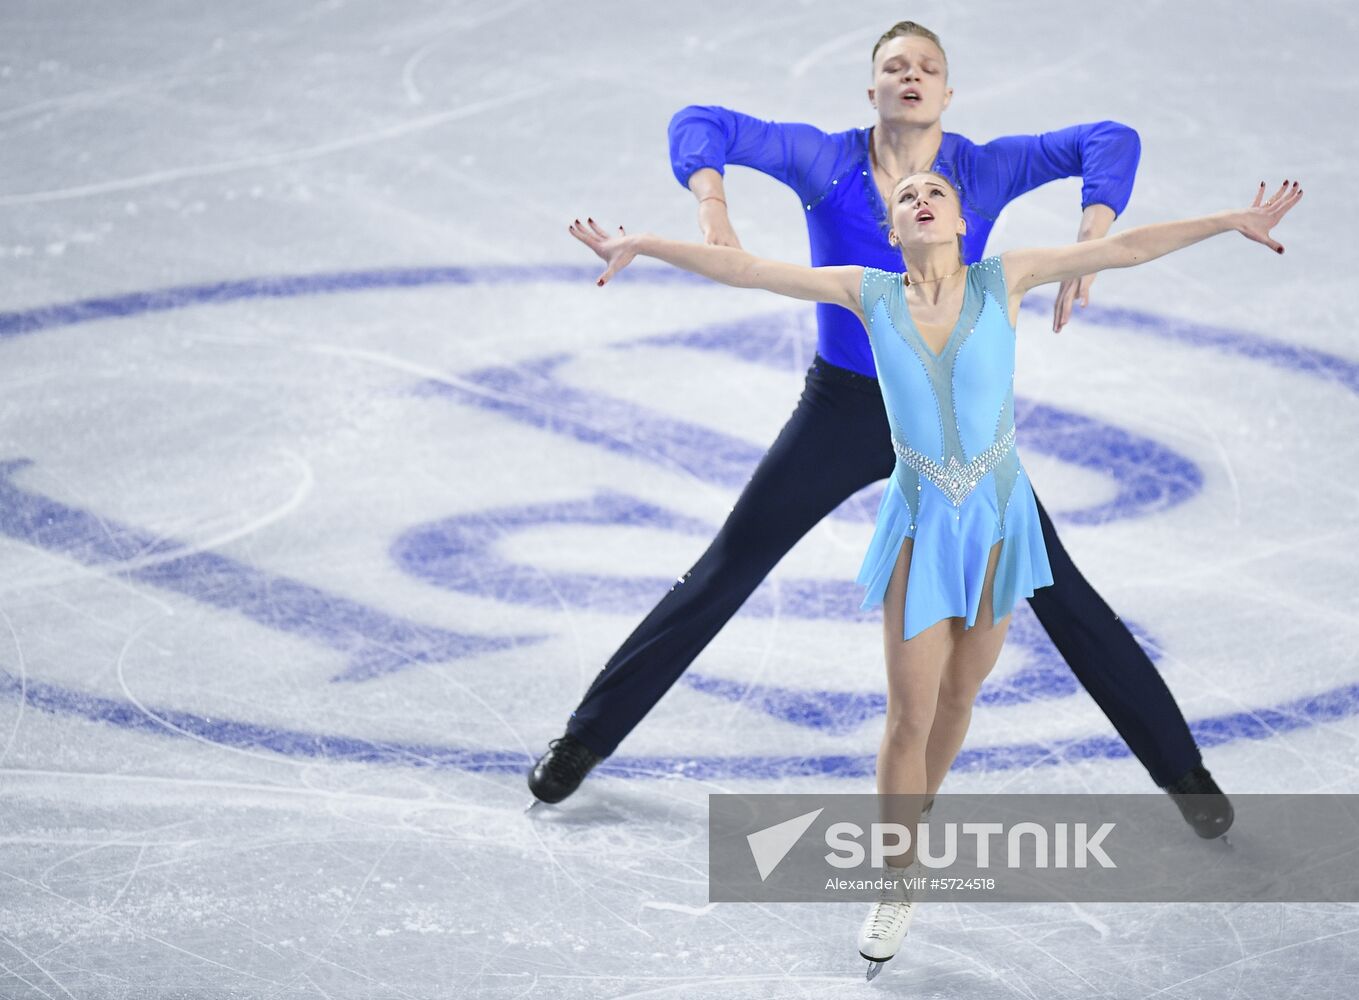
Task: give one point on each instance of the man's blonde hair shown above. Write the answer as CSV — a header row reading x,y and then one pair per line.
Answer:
x,y
904,28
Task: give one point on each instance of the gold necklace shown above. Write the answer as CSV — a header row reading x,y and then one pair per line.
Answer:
x,y
930,281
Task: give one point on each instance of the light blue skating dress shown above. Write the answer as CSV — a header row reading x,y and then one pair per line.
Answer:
x,y
958,487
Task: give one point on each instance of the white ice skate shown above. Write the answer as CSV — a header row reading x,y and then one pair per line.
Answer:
x,y
886,924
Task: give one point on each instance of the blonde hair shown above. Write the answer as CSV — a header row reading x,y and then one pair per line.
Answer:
x,y
905,28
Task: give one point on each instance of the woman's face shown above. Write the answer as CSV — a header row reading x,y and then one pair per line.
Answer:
x,y
925,210
910,81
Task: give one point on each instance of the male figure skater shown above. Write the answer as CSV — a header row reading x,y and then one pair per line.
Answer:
x,y
838,440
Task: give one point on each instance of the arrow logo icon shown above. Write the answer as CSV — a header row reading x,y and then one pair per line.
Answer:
x,y
772,844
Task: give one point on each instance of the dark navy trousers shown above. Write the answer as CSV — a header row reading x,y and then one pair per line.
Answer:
x,y
837,442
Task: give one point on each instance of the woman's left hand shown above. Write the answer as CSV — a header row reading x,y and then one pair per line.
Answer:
x,y
616,251
1262,216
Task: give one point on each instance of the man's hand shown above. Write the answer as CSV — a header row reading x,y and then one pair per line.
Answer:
x,y
1072,290
716,226
1095,222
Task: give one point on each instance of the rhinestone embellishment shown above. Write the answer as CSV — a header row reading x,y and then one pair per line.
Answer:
x,y
956,480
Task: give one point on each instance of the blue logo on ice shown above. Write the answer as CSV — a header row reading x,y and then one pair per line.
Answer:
x,y
1148,478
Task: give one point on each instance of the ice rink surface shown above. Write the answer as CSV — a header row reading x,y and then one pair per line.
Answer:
x,y
328,480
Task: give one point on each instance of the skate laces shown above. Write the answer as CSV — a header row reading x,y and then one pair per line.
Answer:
x,y
886,917
891,911
569,759
1196,782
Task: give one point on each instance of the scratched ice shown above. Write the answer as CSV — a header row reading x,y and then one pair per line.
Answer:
x,y
328,481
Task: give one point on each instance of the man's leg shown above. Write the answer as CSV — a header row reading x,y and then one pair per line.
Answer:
x,y
1109,663
836,442
1119,675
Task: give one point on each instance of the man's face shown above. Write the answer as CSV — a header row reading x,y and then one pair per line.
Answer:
x,y
910,82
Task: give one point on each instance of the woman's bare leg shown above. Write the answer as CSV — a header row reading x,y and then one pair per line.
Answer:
x,y
914,669
973,655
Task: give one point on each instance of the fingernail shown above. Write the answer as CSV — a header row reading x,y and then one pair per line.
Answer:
x,y
1280,249
600,282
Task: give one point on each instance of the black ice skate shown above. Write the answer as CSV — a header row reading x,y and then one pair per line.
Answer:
x,y
560,771
1203,804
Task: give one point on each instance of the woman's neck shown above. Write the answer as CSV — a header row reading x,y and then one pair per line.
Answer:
x,y
932,270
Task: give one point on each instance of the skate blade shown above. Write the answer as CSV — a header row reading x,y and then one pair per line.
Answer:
x,y
1225,842
874,968
532,806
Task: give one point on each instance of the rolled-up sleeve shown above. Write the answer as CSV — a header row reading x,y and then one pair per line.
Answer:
x,y
1104,154
801,156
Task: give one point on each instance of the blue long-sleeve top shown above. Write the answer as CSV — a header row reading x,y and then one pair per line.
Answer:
x,y
847,221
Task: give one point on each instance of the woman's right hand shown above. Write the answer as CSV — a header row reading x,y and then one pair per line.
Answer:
x,y
616,251
716,226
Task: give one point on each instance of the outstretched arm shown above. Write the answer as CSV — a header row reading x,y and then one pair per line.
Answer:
x,y
1026,269
836,285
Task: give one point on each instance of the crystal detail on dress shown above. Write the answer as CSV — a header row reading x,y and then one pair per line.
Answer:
x,y
956,480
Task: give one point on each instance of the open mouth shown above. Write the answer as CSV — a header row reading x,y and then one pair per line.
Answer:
x,y
911,96
924,215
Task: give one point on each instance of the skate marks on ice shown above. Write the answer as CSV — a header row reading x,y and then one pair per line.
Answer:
x,y
336,883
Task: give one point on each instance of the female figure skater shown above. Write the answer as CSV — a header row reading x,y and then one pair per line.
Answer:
x,y
957,540
842,181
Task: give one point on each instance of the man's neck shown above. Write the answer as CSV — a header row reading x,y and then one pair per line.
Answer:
x,y
902,150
